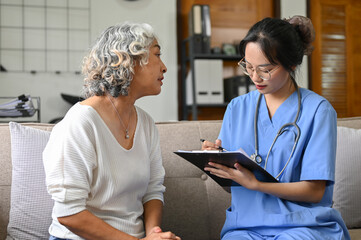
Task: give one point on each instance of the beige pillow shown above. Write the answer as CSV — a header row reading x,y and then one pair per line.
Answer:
x,y
347,190
31,205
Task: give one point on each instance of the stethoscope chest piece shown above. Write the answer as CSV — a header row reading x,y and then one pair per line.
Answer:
x,y
257,158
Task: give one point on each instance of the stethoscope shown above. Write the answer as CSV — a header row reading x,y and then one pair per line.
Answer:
x,y
256,157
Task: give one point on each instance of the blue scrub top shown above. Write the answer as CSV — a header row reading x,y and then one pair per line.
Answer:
x,y
313,159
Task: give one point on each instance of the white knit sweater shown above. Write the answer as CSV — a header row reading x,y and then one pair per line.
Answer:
x,y
86,168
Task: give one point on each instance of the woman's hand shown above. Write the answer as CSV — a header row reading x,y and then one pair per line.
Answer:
x,y
156,233
238,174
207,145
152,220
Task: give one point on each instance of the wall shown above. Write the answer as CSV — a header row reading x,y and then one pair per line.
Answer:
x,y
290,8
161,14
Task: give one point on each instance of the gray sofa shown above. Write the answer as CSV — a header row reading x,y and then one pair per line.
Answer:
x,y
194,204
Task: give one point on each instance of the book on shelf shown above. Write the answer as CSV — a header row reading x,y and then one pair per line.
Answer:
x,y
199,28
201,159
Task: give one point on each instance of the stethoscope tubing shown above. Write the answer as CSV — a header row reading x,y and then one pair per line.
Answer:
x,y
256,157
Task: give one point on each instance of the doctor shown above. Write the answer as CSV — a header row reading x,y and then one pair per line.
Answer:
x,y
289,131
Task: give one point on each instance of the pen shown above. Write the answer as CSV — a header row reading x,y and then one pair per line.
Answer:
x,y
219,147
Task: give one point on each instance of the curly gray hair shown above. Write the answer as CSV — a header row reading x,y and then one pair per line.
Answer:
x,y
109,66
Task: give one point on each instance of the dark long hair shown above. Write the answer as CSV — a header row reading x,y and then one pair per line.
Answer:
x,y
281,42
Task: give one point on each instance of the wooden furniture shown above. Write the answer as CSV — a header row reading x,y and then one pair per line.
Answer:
x,y
195,105
335,62
230,21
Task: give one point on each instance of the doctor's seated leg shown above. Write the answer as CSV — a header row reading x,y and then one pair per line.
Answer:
x,y
242,235
303,233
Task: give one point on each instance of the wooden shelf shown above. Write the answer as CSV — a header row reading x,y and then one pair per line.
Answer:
x,y
230,22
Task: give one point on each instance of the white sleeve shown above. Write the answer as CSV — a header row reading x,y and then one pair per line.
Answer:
x,y
155,188
69,159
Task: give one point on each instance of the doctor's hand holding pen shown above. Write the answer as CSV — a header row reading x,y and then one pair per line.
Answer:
x,y
207,145
238,174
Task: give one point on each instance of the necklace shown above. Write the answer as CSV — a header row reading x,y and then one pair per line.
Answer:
x,y
126,128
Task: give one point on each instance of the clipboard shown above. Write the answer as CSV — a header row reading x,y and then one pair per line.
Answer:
x,y
201,159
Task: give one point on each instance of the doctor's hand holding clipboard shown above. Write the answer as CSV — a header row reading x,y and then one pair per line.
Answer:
x,y
238,174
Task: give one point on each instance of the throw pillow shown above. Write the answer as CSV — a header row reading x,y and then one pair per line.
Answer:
x,y
31,205
347,191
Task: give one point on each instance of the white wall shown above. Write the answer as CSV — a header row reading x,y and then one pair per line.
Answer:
x,y
161,14
290,8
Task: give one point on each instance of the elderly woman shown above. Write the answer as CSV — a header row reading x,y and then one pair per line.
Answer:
x,y
103,163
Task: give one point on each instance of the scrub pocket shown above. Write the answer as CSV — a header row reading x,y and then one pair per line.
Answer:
x,y
230,223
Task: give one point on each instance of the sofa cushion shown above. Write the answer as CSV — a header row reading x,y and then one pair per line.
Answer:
x,y
347,189
31,205
195,205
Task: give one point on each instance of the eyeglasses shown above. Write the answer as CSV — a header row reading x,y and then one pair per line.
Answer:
x,y
262,72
